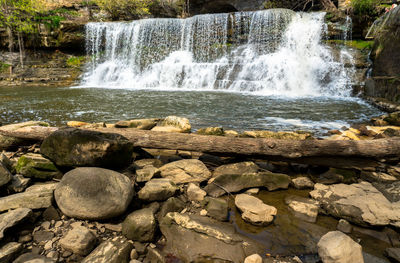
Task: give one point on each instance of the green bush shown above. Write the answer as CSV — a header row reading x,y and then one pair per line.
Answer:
x,y
126,9
75,62
4,66
365,7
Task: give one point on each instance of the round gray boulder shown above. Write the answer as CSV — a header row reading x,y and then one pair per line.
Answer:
x,y
93,193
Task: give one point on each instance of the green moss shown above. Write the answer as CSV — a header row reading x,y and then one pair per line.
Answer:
x,y
358,44
4,67
75,62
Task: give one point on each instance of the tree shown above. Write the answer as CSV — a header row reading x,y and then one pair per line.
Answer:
x,y
18,17
125,8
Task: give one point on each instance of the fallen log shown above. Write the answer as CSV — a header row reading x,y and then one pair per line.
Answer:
x,y
255,147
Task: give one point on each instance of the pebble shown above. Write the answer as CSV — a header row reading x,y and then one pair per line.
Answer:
x,y
203,212
46,225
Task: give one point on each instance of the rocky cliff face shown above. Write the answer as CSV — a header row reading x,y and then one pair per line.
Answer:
x,y
223,6
385,80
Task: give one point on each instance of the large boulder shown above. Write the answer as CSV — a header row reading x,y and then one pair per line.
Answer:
x,y
236,168
359,203
254,210
197,239
140,225
72,147
93,193
336,247
185,171
33,165
116,250
237,182
157,190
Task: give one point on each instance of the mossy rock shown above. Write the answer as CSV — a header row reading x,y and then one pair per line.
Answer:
x,y
216,131
393,118
36,166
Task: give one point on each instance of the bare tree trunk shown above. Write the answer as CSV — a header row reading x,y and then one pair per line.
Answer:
x,y
21,49
10,39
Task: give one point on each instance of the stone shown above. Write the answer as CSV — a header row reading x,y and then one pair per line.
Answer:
x,y
254,210
255,258
231,133
344,226
157,190
195,193
51,214
378,177
302,183
217,208
6,162
173,204
173,124
252,191
393,254
359,203
193,238
93,193
216,131
303,208
336,247
238,182
33,258
42,187
134,254
140,225
76,124
5,175
32,200
72,147
79,240
53,255
9,251
155,255
35,166
142,124
7,142
140,164
185,171
277,135
115,251
146,173
41,237
18,183
390,190
236,168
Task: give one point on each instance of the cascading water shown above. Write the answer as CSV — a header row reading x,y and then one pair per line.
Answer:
x,y
271,52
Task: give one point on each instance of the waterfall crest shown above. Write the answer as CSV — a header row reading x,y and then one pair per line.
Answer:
x,y
272,52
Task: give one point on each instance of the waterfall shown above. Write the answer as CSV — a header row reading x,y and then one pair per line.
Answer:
x,y
270,52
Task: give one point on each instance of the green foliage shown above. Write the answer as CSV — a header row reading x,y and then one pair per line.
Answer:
x,y
358,44
4,66
18,15
365,7
125,8
75,62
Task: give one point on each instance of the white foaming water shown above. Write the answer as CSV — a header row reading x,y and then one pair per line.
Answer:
x,y
272,52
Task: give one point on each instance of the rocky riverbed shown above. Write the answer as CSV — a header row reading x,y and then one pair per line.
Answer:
x,y
86,196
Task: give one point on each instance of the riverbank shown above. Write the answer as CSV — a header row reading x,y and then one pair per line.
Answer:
x,y
87,196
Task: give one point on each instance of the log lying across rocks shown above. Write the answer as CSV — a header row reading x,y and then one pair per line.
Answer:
x,y
256,147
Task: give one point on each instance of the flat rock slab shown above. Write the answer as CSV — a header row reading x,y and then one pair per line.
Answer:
x,y
393,254
157,190
13,218
237,182
9,251
236,168
115,251
36,166
359,203
32,257
79,240
32,200
303,208
254,210
195,238
185,171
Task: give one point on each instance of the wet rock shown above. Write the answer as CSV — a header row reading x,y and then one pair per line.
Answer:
x,y
236,183
35,166
173,204
114,251
216,131
146,173
255,258
9,251
93,193
18,183
42,236
302,183
236,168
140,225
74,147
185,171
393,254
157,190
173,124
390,190
303,208
276,135
336,247
8,142
344,226
31,199
142,124
5,175
217,208
78,240
32,257
254,210
195,193
140,164
196,238
358,203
